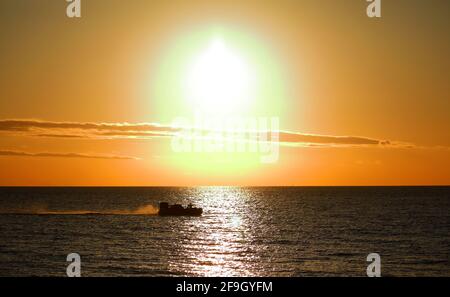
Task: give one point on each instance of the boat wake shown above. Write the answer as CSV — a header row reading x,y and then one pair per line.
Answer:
x,y
143,210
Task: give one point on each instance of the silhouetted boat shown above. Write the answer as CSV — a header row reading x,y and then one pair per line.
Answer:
x,y
178,210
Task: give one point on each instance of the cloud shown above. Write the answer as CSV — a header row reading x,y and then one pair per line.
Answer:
x,y
30,125
293,137
38,128
59,136
64,155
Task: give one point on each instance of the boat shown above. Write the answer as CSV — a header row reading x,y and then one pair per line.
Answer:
x,y
165,209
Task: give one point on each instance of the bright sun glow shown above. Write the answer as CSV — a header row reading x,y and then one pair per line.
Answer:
x,y
219,80
216,74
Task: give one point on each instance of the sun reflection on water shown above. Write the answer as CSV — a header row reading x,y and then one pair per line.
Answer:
x,y
220,242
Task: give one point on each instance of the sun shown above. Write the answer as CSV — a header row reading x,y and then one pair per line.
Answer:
x,y
219,80
220,75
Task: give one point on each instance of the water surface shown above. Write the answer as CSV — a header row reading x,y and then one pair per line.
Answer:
x,y
295,231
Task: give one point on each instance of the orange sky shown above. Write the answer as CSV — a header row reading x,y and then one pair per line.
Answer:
x,y
341,74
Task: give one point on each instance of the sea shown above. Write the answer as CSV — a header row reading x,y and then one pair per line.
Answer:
x,y
244,231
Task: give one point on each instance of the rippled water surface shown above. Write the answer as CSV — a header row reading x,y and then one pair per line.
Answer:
x,y
243,232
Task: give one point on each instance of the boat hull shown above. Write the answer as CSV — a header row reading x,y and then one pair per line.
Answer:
x,y
178,210
187,212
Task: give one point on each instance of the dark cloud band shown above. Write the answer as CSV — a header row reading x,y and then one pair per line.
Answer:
x,y
39,128
63,155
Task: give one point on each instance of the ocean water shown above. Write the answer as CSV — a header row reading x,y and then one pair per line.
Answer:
x,y
267,231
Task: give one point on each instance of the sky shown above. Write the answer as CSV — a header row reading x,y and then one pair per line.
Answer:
x,y
92,101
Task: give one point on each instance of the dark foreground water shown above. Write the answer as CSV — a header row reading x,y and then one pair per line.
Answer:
x,y
243,232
